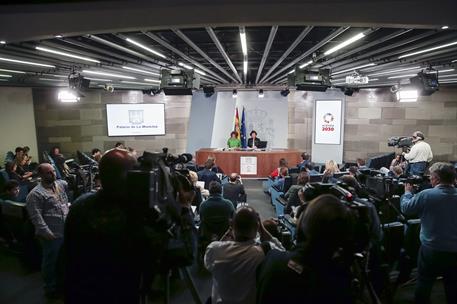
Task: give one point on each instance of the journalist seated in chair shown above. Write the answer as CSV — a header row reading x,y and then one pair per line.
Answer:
x,y
234,190
291,195
215,213
306,159
310,169
361,164
253,141
11,170
279,182
318,269
10,190
330,169
96,154
398,161
282,164
214,167
234,141
59,159
207,175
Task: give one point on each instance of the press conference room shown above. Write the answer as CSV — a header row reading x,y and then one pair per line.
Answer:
x,y
228,151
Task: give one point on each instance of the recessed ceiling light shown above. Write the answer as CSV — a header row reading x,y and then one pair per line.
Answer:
x,y
244,45
138,83
344,44
428,50
305,64
107,74
140,71
444,27
185,65
245,67
355,68
48,50
199,72
152,80
12,71
291,71
401,76
58,36
4,75
394,71
2,42
26,62
145,47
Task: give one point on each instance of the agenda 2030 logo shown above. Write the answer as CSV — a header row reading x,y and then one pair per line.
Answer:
x,y
328,119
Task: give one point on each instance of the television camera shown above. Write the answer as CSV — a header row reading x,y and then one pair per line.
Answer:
x,y
403,142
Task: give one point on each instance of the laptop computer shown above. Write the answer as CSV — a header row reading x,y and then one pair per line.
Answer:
x,y
262,144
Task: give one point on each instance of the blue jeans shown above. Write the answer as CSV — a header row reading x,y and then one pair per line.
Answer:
x,y
431,264
50,251
417,168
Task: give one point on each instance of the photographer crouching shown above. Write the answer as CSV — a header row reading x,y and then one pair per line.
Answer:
x,y
419,156
112,244
437,210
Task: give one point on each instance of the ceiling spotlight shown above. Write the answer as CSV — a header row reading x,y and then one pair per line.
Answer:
x,y
444,27
209,91
285,92
261,95
234,93
407,95
67,96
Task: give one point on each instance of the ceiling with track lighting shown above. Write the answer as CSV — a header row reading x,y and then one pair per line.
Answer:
x,y
235,56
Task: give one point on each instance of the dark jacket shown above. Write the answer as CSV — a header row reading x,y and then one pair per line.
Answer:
x,y
207,176
234,192
215,214
256,142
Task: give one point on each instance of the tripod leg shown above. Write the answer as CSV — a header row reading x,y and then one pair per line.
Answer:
x,y
190,284
167,287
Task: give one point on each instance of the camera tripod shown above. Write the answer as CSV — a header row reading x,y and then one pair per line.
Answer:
x,y
185,273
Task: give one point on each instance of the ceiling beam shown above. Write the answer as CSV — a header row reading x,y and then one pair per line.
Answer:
x,y
219,46
297,41
324,41
183,56
181,35
271,37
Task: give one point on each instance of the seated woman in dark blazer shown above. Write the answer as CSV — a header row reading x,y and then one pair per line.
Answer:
x,y
253,141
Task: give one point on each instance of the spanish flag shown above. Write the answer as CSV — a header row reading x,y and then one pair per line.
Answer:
x,y
237,124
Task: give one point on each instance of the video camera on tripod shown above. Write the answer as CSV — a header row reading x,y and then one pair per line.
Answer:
x,y
159,189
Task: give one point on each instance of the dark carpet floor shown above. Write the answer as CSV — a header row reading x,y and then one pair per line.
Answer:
x,y
17,286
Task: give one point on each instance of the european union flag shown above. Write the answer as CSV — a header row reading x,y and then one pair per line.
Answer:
x,y
243,131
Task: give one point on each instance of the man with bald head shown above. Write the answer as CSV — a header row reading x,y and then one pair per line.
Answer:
x,y
234,190
104,239
47,205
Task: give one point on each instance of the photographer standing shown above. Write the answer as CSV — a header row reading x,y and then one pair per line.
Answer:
x,y
437,210
419,156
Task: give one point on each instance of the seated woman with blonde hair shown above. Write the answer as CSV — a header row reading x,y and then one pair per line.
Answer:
x,y
330,168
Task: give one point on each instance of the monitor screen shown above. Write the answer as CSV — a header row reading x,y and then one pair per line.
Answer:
x,y
135,119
